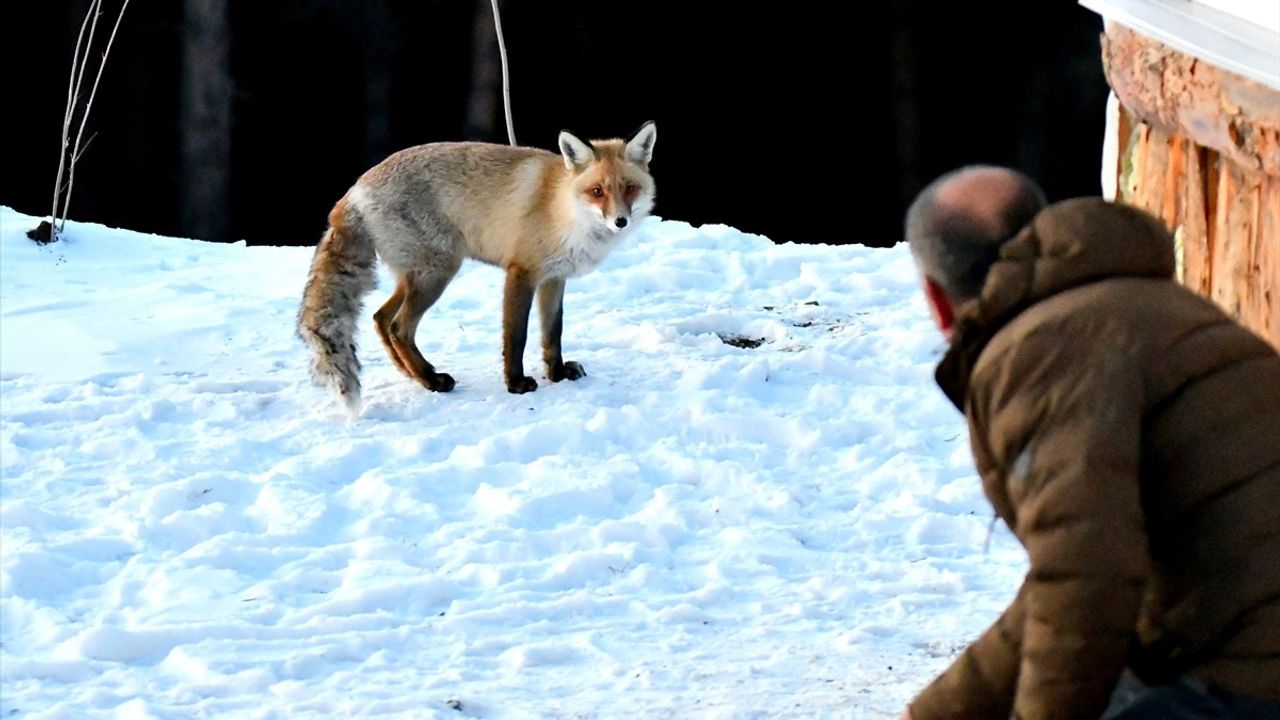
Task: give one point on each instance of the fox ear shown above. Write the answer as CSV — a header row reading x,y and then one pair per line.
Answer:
x,y
640,146
576,153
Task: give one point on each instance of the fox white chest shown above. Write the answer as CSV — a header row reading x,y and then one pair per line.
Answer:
x,y
581,252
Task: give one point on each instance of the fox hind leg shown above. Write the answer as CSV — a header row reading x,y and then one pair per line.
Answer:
x,y
382,323
421,290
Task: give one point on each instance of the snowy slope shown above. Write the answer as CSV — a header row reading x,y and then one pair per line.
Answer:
x,y
189,528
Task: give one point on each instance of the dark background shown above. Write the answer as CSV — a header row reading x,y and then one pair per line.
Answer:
x,y
803,121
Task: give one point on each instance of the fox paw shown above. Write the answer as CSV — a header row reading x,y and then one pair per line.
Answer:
x,y
439,382
565,371
521,385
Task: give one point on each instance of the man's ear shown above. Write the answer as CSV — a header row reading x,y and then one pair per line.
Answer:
x,y
944,314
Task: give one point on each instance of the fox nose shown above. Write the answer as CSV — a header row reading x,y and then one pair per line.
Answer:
x,y
620,223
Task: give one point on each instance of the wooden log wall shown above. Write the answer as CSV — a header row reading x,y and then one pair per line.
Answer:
x,y
1200,148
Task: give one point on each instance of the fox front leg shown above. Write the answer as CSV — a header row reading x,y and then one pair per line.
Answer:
x,y
551,312
517,299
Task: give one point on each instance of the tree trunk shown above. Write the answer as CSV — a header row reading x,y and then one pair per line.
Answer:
x,y
486,76
206,120
905,94
379,54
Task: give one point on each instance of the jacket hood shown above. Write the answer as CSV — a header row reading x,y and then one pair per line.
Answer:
x,y
1066,245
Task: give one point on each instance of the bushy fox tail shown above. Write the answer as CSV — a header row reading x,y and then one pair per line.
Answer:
x,y
343,271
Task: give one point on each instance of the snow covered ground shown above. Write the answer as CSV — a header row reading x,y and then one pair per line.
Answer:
x,y
190,529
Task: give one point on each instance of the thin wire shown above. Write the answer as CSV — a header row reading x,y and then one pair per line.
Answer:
x,y
506,78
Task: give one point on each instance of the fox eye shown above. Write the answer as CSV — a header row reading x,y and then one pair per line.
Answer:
x,y
632,188
597,191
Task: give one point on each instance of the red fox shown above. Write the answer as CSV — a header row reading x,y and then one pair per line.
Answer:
x,y
541,217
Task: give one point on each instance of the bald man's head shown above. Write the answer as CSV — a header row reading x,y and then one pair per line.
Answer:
x,y
956,225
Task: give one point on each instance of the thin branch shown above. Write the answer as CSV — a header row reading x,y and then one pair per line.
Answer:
x,y
77,158
68,112
96,9
84,149
75,153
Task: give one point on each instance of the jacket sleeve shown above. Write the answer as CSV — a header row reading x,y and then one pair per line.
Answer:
x,y
1062,419
980,683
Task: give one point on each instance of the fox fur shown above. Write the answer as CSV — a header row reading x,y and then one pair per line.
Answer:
x,y
541,217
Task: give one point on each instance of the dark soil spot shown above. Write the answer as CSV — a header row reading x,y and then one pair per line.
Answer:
x,y
740,341
42,233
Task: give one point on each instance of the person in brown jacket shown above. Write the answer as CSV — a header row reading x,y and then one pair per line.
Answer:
x,y
1128,432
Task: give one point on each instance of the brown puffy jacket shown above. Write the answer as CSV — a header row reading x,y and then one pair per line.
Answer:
x,y
1128,432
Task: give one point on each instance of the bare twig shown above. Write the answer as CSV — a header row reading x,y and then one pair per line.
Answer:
x,y
73,95
77,157
75,153
95,9
84,149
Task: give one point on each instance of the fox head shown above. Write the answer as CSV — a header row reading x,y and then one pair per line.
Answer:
x,y
610,179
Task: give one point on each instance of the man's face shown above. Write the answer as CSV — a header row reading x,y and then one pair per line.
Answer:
x,y
940,308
